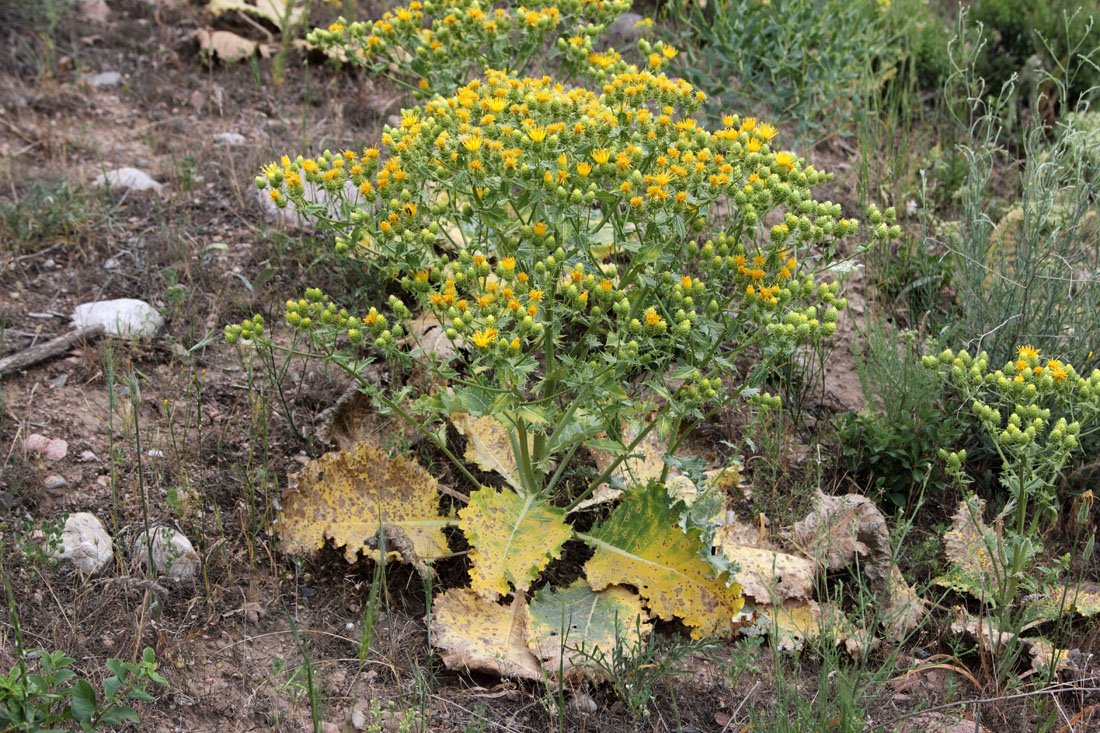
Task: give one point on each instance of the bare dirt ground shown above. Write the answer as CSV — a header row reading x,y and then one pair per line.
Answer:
x,y
188,439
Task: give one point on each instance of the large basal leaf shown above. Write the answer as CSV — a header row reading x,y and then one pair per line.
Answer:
x,y
345,496
512,538
562,621
642,545
643,464
475,634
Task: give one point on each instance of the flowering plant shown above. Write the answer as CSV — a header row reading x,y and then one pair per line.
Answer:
x,y
597,264
436,46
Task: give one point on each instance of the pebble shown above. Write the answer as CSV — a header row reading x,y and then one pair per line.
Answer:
x,y
51,449
110,264
49,264
229,138
103,79
124,318
54,481
624,27
85,543
131,179
583,704
173,554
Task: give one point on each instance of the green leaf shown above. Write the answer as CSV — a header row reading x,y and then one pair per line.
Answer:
x,y
148,655
577,617
116,667
139,693
642,545
512,538
83,706
111,686
120,714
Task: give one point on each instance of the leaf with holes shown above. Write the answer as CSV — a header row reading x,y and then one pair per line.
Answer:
x,y
345,496
482,636
512,538
642,545
563,621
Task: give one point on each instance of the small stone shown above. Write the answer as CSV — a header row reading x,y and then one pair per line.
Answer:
x,y
95,10
327,727
54,481
154,453
51,449
625,27
85,543
360,715
131,179
103,79
124,318
288,217
49,264
110,264
88,456
229,138
583,704
173,554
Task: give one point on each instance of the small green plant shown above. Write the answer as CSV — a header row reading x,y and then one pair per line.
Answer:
x,y
51,698
807,61
894,442
45,211
1035,412
636,667
40,542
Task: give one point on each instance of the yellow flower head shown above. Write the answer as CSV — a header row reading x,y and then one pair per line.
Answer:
x,y
1028,353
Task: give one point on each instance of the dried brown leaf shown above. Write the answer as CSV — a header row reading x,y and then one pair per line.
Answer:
x,y
840,528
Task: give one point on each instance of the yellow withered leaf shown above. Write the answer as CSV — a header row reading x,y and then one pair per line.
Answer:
x,y
512,538
644,464
767,576
562,622
479,635
965,545
488,445
642,545
345,496
1059,600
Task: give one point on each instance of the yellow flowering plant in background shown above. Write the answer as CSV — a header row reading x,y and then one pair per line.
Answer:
x,y
599,264
436,46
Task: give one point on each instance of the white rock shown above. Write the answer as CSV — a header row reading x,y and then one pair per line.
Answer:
x,y
103,79
54,481
229,138
289,218
85,543
131,179
173,554
361,716
124,318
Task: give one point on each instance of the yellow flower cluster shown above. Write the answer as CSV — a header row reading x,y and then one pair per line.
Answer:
x,y
439,42
518,205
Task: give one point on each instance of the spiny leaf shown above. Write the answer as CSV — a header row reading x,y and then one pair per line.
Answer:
x,y
346,495
512,538
577,617
476,634
642,545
